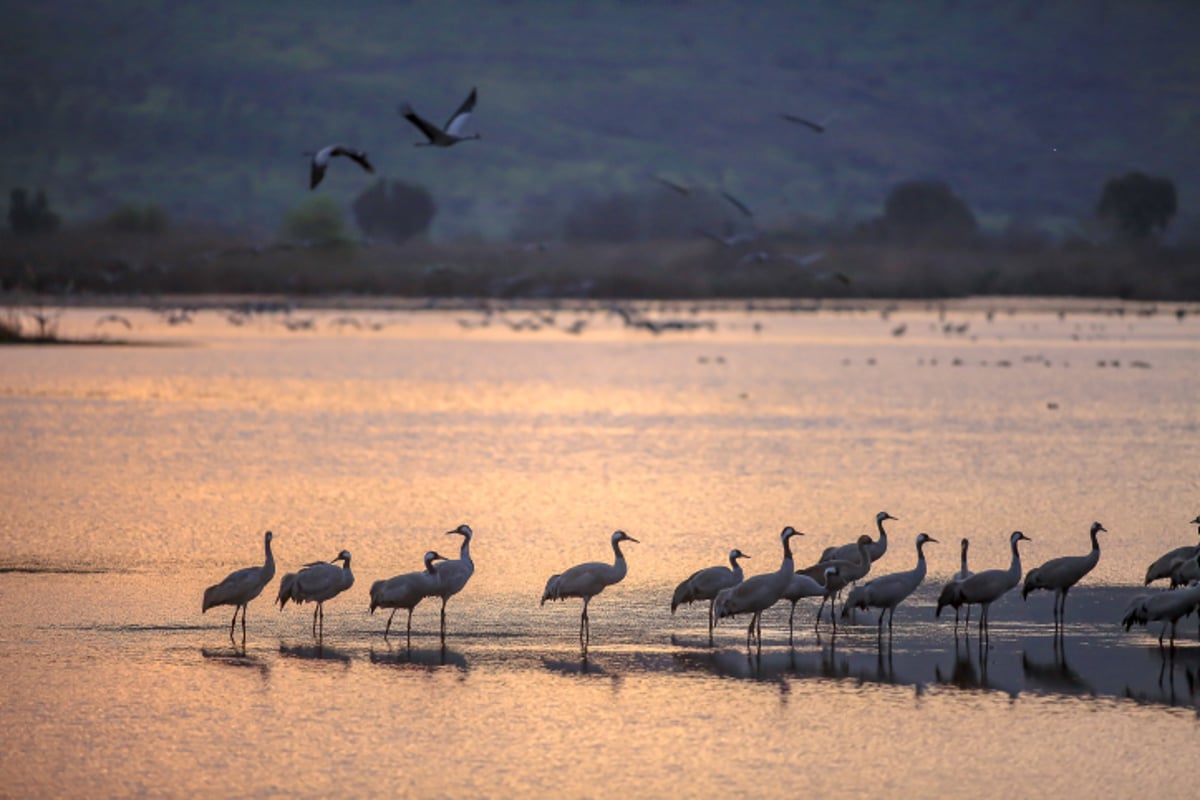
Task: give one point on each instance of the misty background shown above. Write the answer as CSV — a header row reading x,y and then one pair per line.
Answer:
x,y
1024,109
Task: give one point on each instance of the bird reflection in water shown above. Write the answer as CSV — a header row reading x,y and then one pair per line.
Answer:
x,y
236,657
427,658
314,652
1057,675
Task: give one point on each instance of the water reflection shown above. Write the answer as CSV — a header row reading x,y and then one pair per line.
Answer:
x,y
1056,675
418,657
314,652
585,665
236,657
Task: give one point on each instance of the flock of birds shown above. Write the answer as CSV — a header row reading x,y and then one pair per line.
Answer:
x,y
730,593
454,131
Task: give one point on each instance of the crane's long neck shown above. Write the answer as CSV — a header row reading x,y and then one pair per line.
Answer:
x,y
963,562
736,567
618,556
920,569
269,565
1014,569
882,533
464,552
787,565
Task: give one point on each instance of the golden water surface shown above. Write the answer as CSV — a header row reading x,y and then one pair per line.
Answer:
x,y
135,476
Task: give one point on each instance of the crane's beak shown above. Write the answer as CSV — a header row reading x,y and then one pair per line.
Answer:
x,y
931,539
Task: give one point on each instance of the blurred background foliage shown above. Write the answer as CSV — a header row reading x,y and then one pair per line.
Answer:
x,y
1024,109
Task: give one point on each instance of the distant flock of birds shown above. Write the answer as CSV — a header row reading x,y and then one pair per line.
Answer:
x,y
454,131
729,593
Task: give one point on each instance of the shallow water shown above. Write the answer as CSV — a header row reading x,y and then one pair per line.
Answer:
x,y
133,477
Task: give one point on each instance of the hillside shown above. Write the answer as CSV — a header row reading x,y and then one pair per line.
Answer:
x,y
1024,108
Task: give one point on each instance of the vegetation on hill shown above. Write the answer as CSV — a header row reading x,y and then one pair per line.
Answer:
x,y
203,110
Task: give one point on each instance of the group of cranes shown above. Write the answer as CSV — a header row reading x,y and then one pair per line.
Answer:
x,y
730,592
450,134
323,580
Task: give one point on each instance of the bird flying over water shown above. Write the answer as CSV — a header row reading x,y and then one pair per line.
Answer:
x,y
320,161
452,133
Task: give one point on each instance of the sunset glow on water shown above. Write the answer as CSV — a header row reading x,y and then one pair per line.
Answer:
x,y
134,477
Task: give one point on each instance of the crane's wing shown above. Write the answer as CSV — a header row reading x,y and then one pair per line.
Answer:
x,y
423,125
808,123
458,120
357,156
738,204
678,188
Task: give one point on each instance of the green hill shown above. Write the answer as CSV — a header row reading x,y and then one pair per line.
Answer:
x,y
204,108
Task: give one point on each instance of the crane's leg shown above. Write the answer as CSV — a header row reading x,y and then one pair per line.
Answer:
x,y
749,632
711,621
408,631
443,619
824,599
791,628
315,612
585,626
891,618
243,622
388,627
231,624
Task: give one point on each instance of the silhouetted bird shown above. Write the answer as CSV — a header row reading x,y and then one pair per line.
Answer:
x,y
449,135
320,160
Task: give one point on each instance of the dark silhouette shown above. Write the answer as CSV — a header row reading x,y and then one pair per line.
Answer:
x,y
927,211
394,210
25,217
1136,204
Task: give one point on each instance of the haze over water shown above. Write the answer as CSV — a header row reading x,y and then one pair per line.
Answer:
x,y
134,477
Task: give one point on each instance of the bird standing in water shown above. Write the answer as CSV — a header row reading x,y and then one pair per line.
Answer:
x,y
240,587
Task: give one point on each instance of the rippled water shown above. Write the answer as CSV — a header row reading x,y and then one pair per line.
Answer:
x,y
133,477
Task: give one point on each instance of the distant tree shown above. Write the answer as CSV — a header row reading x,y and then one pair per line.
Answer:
x,y
132,218
927,211
25,217
318,221
1136,204
394,210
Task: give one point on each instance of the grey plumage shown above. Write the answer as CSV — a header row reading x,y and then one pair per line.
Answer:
x,y
316,583
240,587
1060,574
889,591
1166,607
949,594
1162,566
985,588
452,576
405,591
588,580
755,595
704,584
